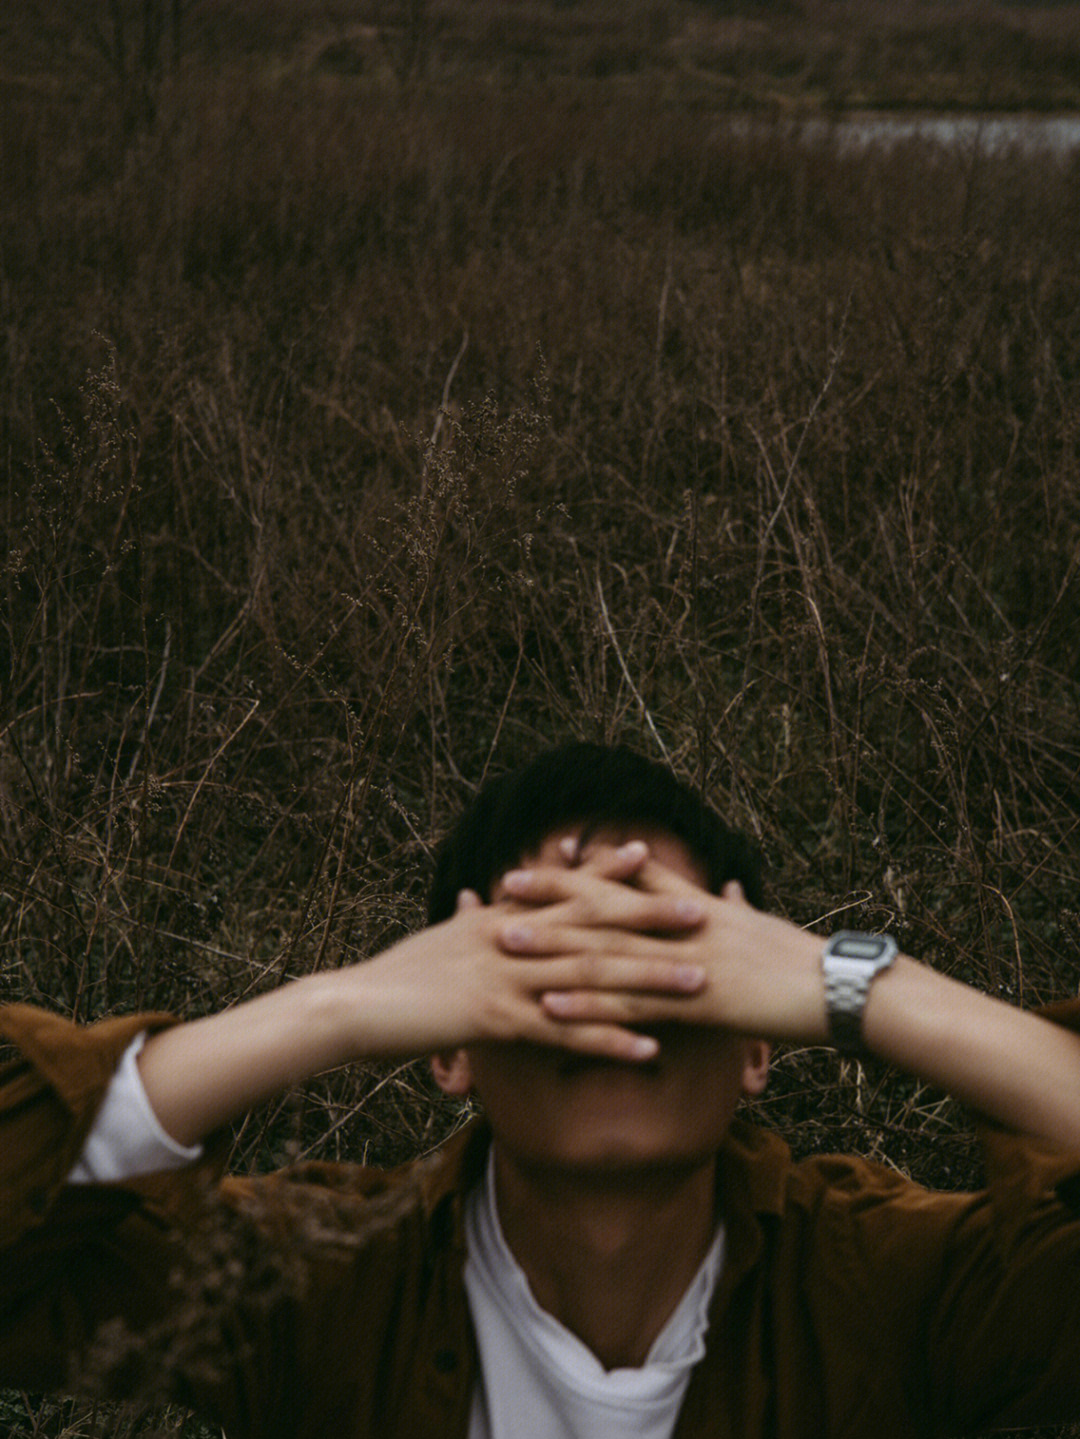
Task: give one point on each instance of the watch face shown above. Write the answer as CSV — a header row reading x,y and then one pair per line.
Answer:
x,y
859,946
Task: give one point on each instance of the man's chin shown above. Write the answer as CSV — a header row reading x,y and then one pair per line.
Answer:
x,y
607,1151
607,1117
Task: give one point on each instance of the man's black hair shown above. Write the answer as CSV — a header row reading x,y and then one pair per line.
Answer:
x,y
590,784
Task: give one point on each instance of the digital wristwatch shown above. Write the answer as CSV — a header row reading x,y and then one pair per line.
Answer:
x,y
850,963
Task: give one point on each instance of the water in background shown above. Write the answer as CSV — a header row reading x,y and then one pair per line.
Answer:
x,y
990,134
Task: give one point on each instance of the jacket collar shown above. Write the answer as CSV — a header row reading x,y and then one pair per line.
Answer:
x,y
753,1168
448,1175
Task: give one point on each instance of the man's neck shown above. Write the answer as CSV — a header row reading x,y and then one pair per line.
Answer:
x,y
609,1256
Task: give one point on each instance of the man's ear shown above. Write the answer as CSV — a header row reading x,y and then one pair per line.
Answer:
x,y
755,1073
452,1071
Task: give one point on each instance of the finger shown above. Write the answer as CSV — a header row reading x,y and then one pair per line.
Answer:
x,y
605,1041
600,926
590,1006
734,892
656,878
467,899
590,900
619,862
613,861
648,975
604,862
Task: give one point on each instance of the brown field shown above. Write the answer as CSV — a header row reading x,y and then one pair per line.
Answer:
x,y
380,401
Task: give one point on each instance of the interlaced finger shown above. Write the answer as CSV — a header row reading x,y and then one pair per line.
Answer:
x,y
547,884
605,1041
526,936
607,860
652,877
572,898
610,973
579,1007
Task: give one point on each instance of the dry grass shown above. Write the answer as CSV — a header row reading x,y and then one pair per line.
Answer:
x,y
358,437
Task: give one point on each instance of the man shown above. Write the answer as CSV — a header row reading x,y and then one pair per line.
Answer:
x,y
610,1252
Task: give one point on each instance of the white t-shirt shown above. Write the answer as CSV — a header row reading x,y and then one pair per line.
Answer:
x,y
538,1380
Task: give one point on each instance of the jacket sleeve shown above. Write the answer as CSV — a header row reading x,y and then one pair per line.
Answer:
x,y
977,1296
1005,1345
153,1288
49,1097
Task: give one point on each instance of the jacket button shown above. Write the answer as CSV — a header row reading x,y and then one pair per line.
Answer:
x,y
445,1361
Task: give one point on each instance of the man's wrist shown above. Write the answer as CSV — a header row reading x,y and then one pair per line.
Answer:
x,y
783,989
338,1019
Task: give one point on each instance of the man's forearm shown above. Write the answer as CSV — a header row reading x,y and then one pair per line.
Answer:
x,y
1009,1064
200,1075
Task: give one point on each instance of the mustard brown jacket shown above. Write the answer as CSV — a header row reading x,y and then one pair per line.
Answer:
x,y
326,1302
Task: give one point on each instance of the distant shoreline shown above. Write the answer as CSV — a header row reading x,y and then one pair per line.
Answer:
x,y
829,58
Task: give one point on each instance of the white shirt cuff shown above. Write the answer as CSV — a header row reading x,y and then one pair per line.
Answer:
x,y
127,1138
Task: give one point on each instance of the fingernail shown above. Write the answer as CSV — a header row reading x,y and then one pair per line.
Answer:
x,y
518,880
568,847
635,849
518,936
644,1047
690,910
689,976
